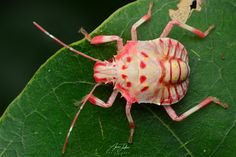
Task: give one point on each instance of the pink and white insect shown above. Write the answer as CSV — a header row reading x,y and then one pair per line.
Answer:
x,y
154,71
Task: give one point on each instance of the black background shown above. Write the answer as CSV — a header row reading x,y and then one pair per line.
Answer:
x,y
23,49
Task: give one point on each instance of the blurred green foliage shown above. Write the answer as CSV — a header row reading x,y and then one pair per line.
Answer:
x,y
19,62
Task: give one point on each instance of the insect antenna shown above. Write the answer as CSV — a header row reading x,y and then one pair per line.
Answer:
x,y
63,44
77,115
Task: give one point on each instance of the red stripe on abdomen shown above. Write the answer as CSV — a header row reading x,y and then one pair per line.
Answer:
x,y
163,72
169,95
177,93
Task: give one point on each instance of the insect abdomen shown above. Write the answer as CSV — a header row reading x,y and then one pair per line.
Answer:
x,y
153,71
176,71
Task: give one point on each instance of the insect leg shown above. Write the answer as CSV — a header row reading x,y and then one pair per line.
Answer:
x,y
141,21
100,39
171,24
131,121
202,104
96,101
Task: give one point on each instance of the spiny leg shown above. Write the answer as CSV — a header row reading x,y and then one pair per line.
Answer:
x,y
131,121
141,21
96,101
202,104
171,24
100,39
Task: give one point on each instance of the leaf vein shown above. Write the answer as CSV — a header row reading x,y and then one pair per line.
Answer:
x,y
234,122
171,131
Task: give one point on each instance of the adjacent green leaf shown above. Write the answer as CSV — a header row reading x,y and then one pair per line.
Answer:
x,y
37,121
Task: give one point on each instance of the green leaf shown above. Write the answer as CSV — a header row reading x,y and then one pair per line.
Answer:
x,y
37,121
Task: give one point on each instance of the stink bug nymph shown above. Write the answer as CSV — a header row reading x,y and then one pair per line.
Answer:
x,y
154,71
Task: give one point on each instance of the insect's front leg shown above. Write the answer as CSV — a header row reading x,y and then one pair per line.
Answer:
x,y
202,104
140,22
98,102
196,31
100,39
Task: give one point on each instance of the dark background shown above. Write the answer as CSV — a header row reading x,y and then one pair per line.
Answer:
x,y
23,49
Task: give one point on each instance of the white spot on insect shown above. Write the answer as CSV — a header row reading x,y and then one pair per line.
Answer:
x,y
70,129
68,134
71,49
48,34
51,35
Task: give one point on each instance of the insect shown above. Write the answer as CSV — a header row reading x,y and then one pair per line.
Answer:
x,y
154,71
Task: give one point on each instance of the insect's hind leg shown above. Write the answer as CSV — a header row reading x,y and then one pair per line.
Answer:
x,y
131,121
196,31
141,21
202,104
